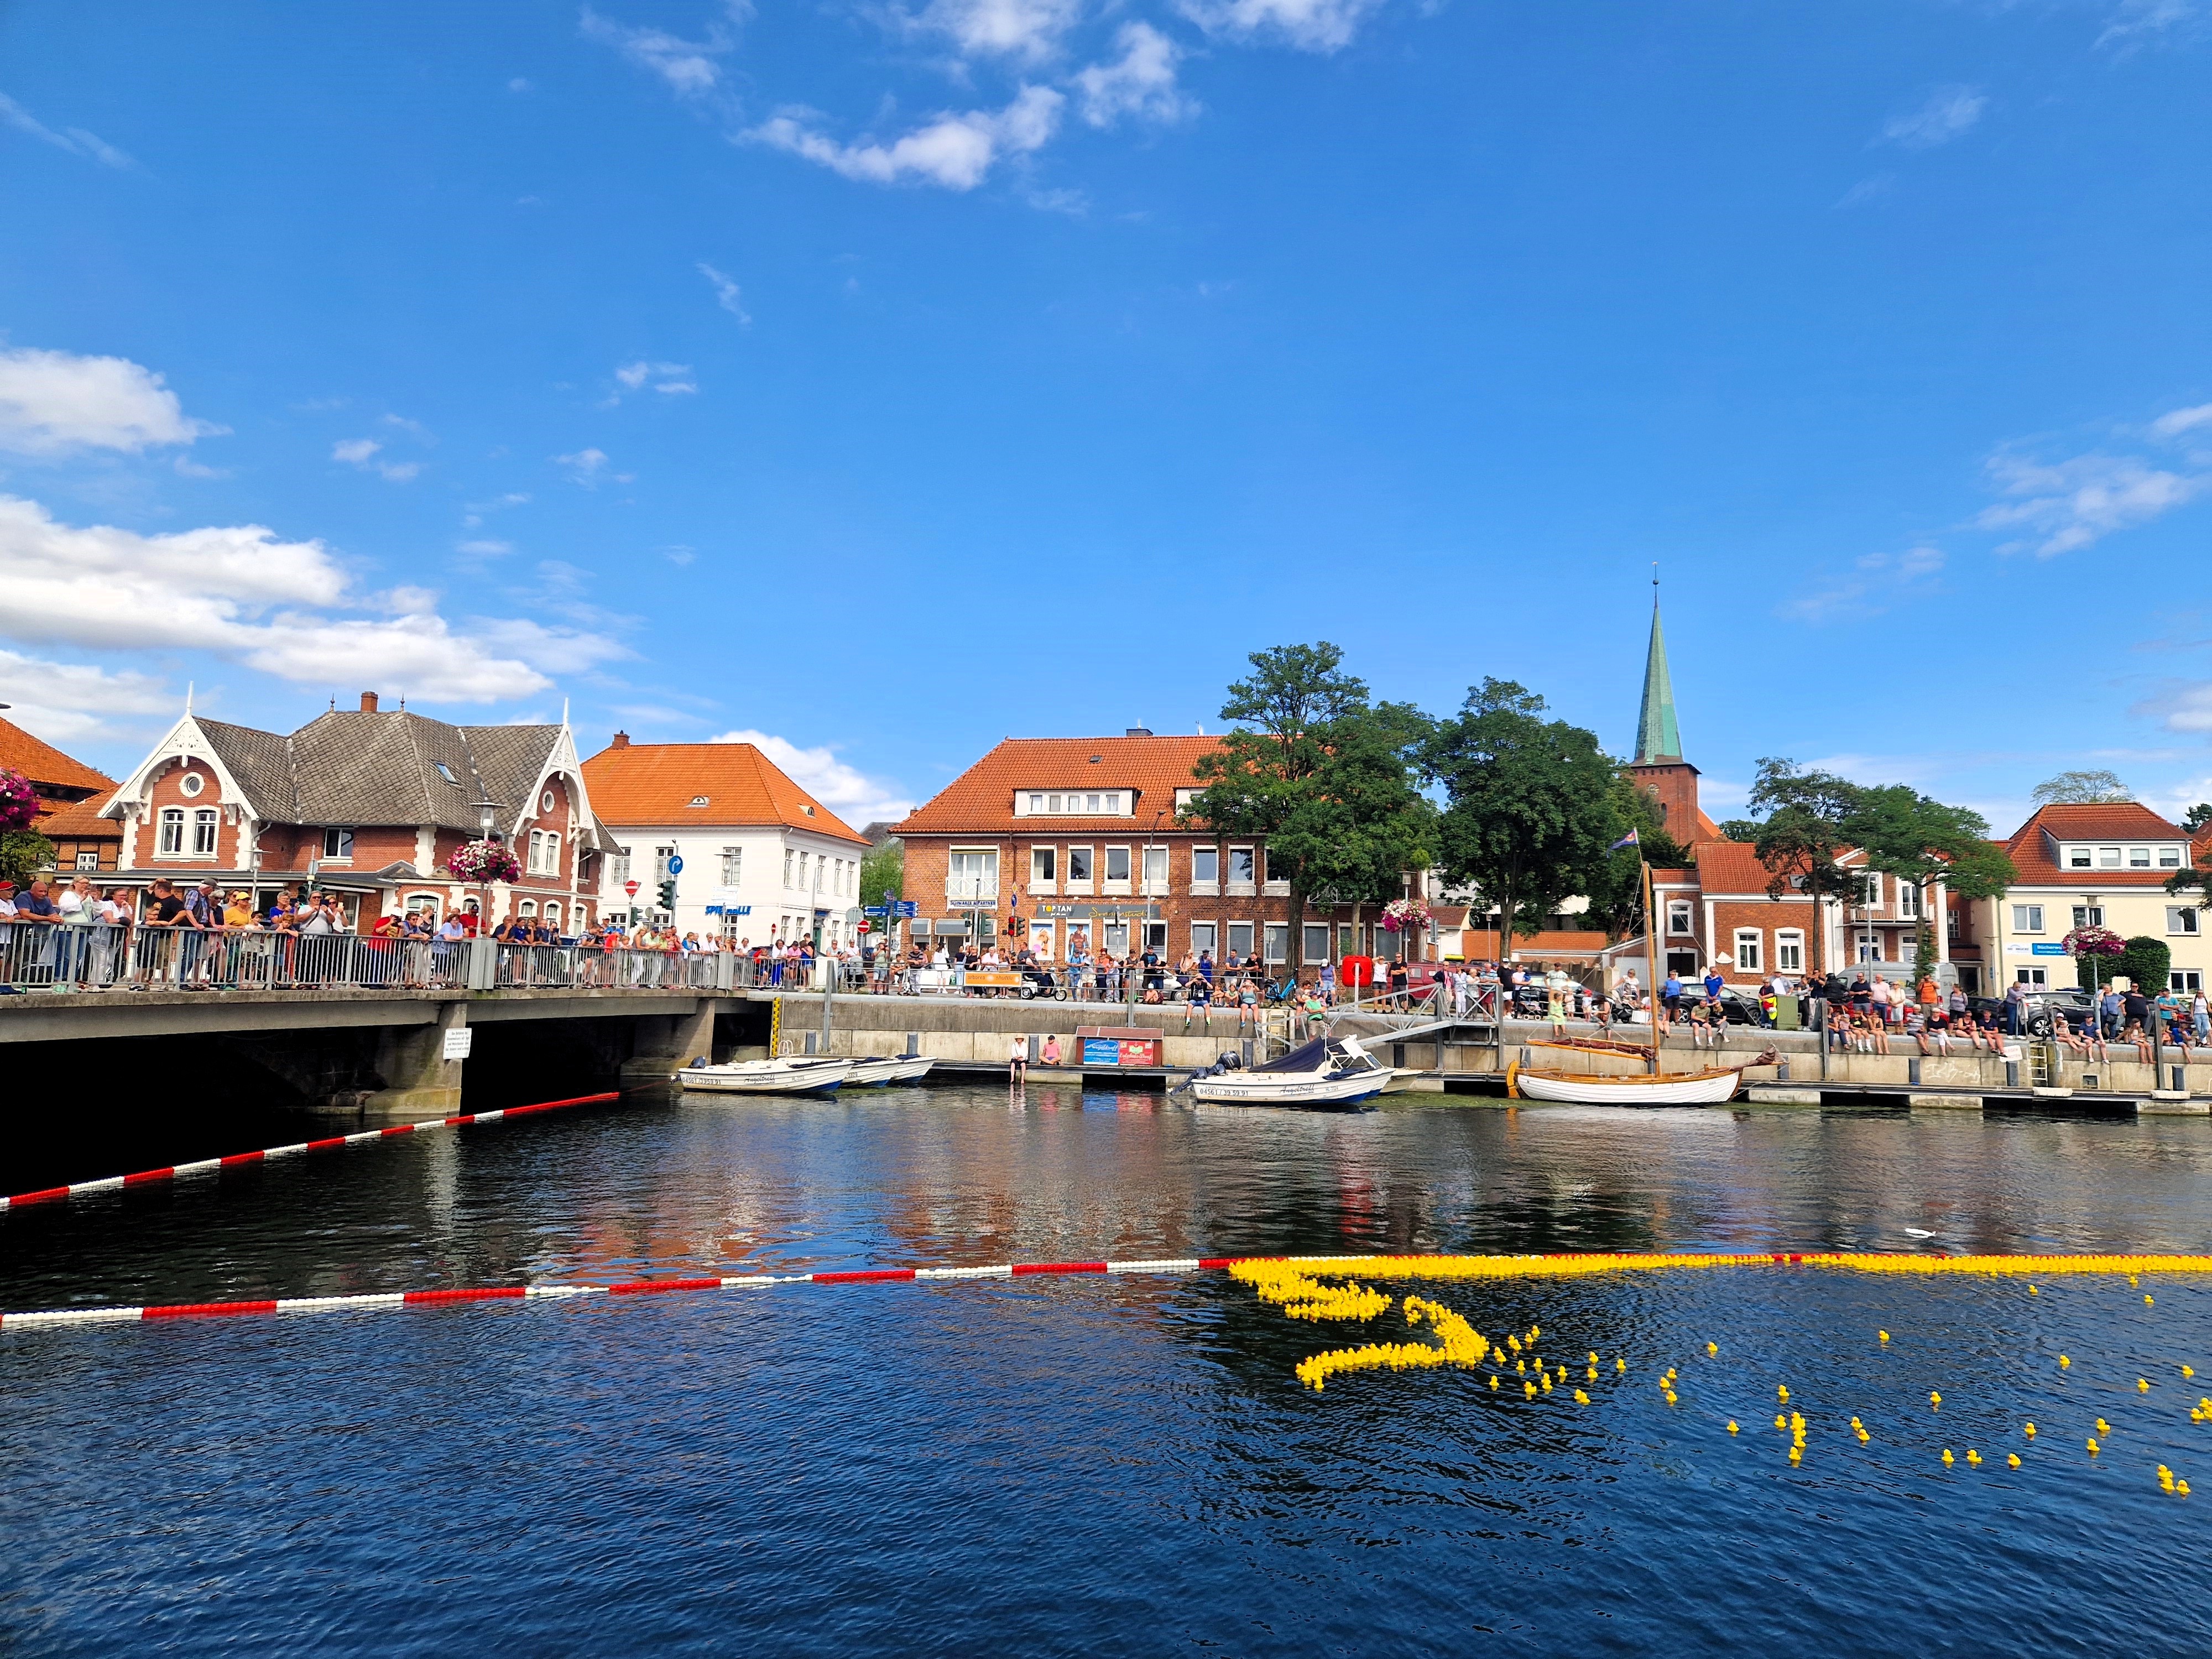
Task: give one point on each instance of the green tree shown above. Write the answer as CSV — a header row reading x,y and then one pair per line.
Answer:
x,y
1318,773
2197,817
1802,832
2147,964
883,870
23,853
1906,834
1616,892
2081,787
1530,804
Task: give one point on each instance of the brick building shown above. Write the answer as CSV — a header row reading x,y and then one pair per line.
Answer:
x,y
368,803
70,794
1052,842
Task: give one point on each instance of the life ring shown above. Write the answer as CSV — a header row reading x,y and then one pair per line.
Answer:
x,y
1512,1083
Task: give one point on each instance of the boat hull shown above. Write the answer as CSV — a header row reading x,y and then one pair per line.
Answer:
x,y
878,1073
759,1077
1307,1093
1581,1089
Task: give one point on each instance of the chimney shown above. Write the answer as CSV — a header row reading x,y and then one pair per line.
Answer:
x,y
1138,731
368,702
621,741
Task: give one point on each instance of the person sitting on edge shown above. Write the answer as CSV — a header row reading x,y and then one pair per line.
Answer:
x,y
1052,1050
1017,1064
1199,999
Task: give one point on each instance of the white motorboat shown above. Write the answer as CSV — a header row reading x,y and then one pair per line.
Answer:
x,y
1327,1074
794,1074
1706,1088
895,1068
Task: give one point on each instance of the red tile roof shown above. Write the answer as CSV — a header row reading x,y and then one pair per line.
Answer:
x,y
2102,821
651,784
1733,866
78,820
42,762
980,801
1482,945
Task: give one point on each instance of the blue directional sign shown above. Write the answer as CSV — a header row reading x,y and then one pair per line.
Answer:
x,y
676,864
873,910
907,909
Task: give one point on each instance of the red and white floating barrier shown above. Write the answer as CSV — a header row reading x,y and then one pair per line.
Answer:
x,y
237,1160
627,1287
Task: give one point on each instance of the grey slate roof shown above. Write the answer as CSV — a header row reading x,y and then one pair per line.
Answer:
x,y
354,767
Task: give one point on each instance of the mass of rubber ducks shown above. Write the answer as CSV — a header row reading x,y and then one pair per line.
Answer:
x,y
1317,1289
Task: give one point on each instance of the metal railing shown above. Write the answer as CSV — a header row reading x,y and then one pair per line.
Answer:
x,y
66,957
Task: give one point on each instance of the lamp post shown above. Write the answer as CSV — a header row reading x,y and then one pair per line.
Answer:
x,y
487,811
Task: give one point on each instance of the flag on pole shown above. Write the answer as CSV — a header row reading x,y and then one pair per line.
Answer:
x,y
1628,839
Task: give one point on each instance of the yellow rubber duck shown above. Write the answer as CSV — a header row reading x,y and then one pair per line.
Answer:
x,y
1782,1392
1581,1399
1946,1456
1884,1336
1528,1388
1713,1347
2094,1447
2142,1385
1521,1367
1936,1400
1855,1421
2147,1301
2028,1429
1494,1384
1780,1421
1796,1455
1671,1396
2189,1370
1536,1331
2013,1458
1972,1456
1593,1359
1547,1383
1731,1426
2064,1362
1620,1364
1514,1343
1591,1374
2181,1489
2102,1427
2032,1291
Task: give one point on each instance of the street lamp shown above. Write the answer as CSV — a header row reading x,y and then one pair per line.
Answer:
x,y
488,811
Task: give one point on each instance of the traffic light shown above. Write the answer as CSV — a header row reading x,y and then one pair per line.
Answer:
x,y
668,894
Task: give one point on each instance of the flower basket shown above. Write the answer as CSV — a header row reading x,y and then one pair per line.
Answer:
x,y
1400,914
483,861
18,802
2094,942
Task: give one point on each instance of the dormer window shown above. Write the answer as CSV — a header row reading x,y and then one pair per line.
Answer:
x,y
2077,858
698,800
1089,803
447,773
808,808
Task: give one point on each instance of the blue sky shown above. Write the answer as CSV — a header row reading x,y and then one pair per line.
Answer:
x,y
888,377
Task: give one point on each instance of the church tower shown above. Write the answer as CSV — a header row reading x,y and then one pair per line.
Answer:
x,y
1659,770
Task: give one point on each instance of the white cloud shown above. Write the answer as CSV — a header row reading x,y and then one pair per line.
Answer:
x,y
2135,22
1874,582
485,548
846,791
2174,423
1309,24
633,375
520,83
1142,85
1029,30
65,702
2073,503
2181,708
75,140
363,453
1949,111
955,150
688,67
52,402
239,592
1869,189
726,293
588,467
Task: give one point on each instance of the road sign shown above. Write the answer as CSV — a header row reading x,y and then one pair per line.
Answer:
x,y
863,927
675,864
630,887
906,908
2045,948
874,911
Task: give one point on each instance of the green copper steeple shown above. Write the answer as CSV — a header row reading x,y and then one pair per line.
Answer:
x,y
1657,738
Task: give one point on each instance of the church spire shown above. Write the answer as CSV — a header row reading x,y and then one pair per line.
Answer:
x,y
1658,737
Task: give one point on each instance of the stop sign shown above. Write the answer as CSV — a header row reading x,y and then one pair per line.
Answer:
x,y
630,887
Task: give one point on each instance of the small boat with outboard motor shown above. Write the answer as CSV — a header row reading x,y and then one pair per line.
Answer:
x,y
794,1074
1327,1074
892,1068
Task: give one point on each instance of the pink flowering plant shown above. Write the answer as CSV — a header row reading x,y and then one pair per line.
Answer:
x,y
2094,942
483,860
1398,914
18,802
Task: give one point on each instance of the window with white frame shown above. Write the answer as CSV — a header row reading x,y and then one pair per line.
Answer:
x,y
2181,919
2108,858
204,833
1117,870
425,904
2077,858
2138,858
2027,918
821,870
1869,947
1750,956
1677,915
1240,939
661,857
618,867
1275,943
1908,899
87,858
1044,868
788,856
972,872
2088,916
1086,803
171,843
336,844
1204,938
1789,950
1079,869
2190,980
552,914
1316,942
2036,979
1156,869
545,854
733,866
2169,858
1242,871
1205,867
1870,889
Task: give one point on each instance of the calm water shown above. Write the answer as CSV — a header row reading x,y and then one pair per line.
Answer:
x,y
1115,1467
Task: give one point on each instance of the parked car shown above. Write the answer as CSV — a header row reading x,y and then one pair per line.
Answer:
x,y
2036,1009
1738,1007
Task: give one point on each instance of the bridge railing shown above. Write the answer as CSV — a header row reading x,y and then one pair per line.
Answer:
x,y
38,956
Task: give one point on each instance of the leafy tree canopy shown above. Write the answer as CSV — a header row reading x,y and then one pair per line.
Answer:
x,y
1530,803
883,870
2197,817
23,853
1616,893
2079,788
